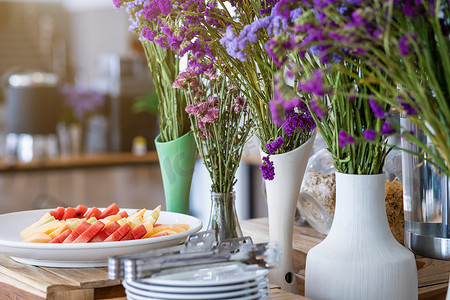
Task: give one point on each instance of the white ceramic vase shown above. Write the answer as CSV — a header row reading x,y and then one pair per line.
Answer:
x,y
360,258
282,195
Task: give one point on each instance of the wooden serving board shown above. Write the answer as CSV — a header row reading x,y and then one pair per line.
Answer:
x,y
433,274
20,281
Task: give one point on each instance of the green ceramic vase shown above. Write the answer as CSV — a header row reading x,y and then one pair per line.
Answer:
x,y
177,161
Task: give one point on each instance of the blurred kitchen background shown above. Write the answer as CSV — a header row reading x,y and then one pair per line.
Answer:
x,y
72,82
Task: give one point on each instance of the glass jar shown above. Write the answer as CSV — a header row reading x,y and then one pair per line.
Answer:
x,y
318,192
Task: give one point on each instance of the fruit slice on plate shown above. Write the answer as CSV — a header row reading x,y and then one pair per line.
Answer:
x,y
93,212
89,233
69,213
58,231
123,214
37,237
62,236
81,210
58,213
110,210
76,233
105,232
119,233
139,231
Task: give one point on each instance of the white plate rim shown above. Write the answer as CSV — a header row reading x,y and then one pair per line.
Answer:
x,y
197,289
252,273
223,295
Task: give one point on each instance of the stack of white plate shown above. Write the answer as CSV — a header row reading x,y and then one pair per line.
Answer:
x,y
224,281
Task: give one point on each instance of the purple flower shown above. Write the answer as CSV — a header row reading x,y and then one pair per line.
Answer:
x,y
318,110
267,168
274,146
81,100
387,129
165,6
408,109
148,33
275,112
239,104
377,110
404,44
117,3
369,134
344,138
314,85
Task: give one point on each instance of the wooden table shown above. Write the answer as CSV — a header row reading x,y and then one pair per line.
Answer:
x,y
20,281
433,274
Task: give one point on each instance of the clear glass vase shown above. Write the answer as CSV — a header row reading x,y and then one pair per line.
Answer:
x,y
223,218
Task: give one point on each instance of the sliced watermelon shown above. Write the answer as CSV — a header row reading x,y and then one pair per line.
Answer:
x,y
76,233
105,232
119,233
139,231
69,213
123,214
89,233
93,212
62,236
81,210
129,236
58,213
110,210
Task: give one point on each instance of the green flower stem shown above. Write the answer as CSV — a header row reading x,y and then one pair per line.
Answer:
x,y
164,67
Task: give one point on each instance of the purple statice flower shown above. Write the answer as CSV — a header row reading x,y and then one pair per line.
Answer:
x,y
313,85
279,61
81,100
377,110
275,112
293,120
239,104
317,109
344,138
148,34
267,168
165,6
237,45
274,146
117,3
408,109
279,106
403,45
387,129
206,112
152,11
369,134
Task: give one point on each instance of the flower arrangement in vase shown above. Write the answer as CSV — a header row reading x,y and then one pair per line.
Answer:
x,y
175,145
359,254
221,123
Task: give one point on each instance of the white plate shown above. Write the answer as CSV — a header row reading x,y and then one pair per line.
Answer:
x,y
264,294
210,276
83,254
261,282
233,294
